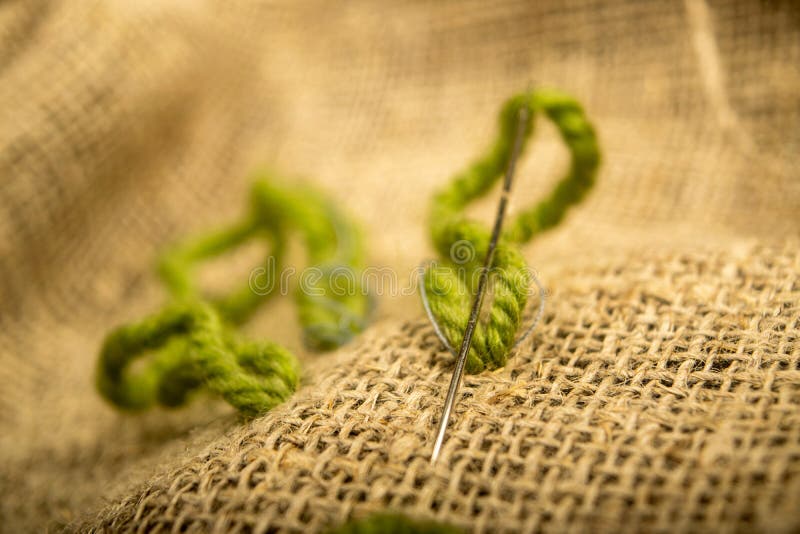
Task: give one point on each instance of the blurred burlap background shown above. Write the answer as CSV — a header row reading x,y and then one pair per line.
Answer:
x,y
662,391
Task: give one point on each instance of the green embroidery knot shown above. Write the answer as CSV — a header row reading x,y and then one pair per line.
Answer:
x,y
451,283
193,342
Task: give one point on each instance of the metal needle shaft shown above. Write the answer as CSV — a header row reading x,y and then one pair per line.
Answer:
x,y
455,381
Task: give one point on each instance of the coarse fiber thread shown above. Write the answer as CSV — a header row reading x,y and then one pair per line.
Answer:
x,y
394,523
194,341
451,283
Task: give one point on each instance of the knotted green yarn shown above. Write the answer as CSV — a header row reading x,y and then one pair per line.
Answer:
x,y
394,523
194,348
193,341
332,304
462,243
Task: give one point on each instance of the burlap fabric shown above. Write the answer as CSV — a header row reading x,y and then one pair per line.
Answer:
x,y
662,391
660,395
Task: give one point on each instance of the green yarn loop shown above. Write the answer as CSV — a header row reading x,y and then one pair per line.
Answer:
x,y
462,243
394,523
193,341
193,347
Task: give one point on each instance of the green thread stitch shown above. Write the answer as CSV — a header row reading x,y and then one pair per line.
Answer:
x,y
394,523
450,285
193,341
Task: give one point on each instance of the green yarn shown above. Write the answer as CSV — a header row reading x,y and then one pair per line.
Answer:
x,y
193,341
332,304
389,523
462,243
194,348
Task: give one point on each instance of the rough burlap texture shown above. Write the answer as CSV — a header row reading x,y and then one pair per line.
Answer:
x,y
661,392
660,395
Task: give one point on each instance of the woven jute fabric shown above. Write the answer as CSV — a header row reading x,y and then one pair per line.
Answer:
x,y
661,392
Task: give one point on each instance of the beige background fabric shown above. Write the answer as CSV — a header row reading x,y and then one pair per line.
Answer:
x,y
127,125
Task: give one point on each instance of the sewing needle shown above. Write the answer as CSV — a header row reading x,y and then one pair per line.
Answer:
x,y
455,381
